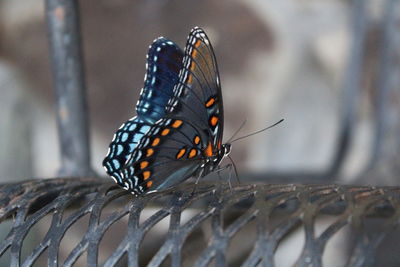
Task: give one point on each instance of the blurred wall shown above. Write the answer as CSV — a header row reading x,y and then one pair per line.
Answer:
x,y
277,59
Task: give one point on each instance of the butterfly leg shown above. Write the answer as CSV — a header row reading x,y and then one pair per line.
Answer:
x,y
234,168
197,181
220,179
229,168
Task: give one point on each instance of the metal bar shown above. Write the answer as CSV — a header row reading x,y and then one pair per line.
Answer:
x,y
68,75
351,87
387,82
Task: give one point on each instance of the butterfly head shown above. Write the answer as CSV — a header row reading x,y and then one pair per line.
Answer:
x,y
222,153
212,163
226,149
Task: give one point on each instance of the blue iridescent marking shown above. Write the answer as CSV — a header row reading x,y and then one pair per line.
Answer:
x,y
137,137
145,128
116,164
120,148
132,127
124,137
132,146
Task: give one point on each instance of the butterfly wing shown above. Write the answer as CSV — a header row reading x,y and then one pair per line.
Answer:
x,y
177,145
198,93
164,61
168,154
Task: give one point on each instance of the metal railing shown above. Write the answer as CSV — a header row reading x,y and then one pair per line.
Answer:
x,y
258,217
69,84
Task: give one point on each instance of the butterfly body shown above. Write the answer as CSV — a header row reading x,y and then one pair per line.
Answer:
x,y
177,133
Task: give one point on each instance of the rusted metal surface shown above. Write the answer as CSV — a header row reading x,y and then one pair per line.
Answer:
x,y
69,84
217,216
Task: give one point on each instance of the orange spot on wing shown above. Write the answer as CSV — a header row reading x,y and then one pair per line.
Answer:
x,y
144,164
193,55
150,152
219,145
165,132
197,44
193,64
177,123
146,175
208,150
192,153
156,141
149,183
189,78
214,120
181,153
196,140
210,102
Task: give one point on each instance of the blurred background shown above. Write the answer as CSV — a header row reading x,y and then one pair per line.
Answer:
x,y
277,59
324,66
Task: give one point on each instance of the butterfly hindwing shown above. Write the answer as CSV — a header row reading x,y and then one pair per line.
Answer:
x,y
164,61
124,142
168,154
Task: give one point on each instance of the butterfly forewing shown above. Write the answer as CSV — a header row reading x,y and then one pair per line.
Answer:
x,y
198,94
164,61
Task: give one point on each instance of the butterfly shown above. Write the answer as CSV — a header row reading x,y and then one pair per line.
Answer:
x,y
177,133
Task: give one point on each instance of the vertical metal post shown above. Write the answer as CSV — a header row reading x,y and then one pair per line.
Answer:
x,y
351,86
384,161
386,77
68,76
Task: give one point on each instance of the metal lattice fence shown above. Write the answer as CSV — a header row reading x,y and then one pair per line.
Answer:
x,y
203,226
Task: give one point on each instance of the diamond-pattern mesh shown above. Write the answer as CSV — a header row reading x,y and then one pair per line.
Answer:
x,y
212,224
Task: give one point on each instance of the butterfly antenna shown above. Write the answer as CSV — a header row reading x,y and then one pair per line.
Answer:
x,y
237,131
257,132
234,168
